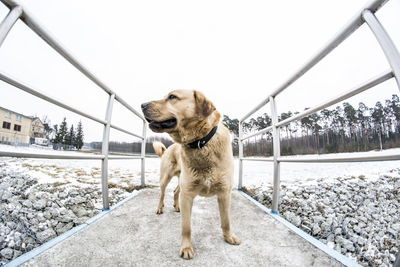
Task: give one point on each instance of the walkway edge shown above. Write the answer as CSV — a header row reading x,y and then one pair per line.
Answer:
x,y
315,242
49,244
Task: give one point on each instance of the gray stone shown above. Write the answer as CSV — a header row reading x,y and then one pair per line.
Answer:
x,y
11,244
40,204
64,228
396,227
318,219
296,221
316,230
46,235
73,193
6,195
79,211
325,226
346,244
17,253
356,229
41,217
27,203
12,225
7,253
47,214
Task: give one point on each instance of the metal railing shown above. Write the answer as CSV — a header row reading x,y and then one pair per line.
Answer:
x,y
18,12
365,15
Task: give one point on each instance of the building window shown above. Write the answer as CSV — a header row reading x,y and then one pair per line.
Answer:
x,y
18,117
17,127
8,114
6,125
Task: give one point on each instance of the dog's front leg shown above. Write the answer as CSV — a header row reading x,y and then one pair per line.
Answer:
x,y
186,203
176,198
224,205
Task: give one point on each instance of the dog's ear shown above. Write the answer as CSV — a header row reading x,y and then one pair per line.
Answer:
x,y
204,107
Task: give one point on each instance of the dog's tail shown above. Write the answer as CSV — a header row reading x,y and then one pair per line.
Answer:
x,y
159,148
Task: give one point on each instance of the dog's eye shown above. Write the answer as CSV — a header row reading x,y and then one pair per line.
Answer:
x,y
170,97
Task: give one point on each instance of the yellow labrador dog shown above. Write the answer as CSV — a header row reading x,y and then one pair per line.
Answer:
x,y
201,157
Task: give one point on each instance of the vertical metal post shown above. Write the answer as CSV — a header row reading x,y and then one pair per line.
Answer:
x,y
277,153
143,155
104,152
388,47
9,22
240,143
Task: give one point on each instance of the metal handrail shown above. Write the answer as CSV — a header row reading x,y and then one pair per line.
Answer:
x,y
40,30
365,158
388,47
61,156
392,55
6,78
46,97
343,96
8,22
47,156
18,12
346,31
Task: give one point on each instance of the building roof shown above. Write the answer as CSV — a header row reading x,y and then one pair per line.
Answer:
x,y
29,117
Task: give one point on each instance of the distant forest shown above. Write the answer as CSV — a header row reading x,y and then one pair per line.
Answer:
x,y
342,129
134,147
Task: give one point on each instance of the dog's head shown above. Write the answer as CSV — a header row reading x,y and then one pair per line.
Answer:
x,y
186,115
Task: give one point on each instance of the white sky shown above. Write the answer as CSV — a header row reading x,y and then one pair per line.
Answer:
x,y
235,52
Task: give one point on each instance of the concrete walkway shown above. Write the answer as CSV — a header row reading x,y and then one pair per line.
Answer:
x,y
133,235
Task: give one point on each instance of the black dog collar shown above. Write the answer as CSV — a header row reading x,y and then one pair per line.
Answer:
x,y
198,144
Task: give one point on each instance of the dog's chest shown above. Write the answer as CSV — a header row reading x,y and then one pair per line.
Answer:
x,y
206,186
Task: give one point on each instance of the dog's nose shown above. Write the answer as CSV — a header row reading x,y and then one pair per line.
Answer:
x,y
145,105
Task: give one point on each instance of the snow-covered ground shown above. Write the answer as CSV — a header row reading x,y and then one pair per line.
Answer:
x,y
127,172
258,173
42,198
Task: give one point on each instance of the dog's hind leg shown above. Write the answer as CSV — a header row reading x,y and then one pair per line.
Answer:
x,y
164,181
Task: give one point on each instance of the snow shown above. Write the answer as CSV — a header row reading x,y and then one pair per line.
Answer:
x,y
127,172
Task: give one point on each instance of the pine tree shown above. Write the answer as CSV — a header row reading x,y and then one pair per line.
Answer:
x,y
56,139
70,137
62,132
79,136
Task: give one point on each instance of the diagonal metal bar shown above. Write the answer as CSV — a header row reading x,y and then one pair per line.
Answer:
x,y
345,95
388,47
125,131
43,33
265,130
345,32
44,96
8,22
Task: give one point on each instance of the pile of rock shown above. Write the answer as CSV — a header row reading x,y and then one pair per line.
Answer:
x,y
32,213
357,217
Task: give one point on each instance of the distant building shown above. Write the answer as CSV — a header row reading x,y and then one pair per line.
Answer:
x,y
37,130
15,128
18,129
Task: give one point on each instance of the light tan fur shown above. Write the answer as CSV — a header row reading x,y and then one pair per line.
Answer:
x,y
159,148
207,171
169,168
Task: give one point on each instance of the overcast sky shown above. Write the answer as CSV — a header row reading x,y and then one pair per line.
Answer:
x,y
235,52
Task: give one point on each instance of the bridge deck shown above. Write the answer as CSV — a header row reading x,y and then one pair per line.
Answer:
x,y
133,234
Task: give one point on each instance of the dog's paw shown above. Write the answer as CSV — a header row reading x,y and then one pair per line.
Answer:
x,y
177,209
232,239
186,253
159,211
